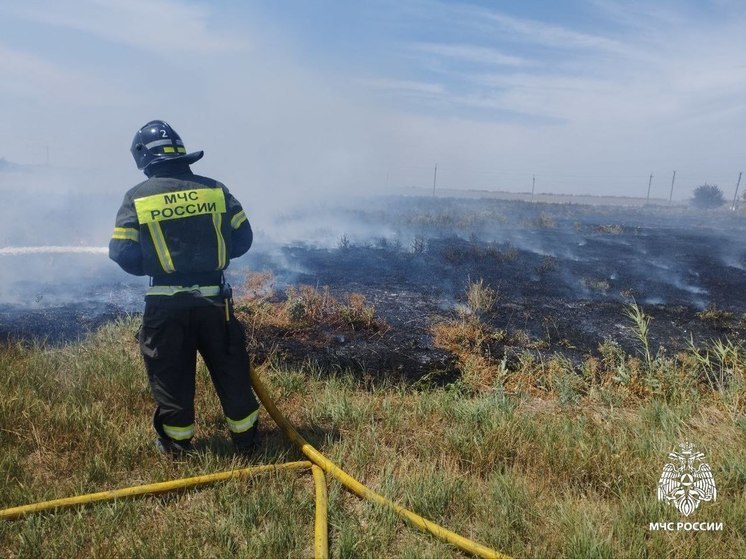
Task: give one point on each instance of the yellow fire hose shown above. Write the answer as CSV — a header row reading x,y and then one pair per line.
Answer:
x,y
361,490
321,545
320,462
321,530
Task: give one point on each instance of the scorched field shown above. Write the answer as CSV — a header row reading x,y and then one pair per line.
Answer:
x,y
516,372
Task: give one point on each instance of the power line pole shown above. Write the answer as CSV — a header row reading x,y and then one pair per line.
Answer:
x,y
533,187
670,196
650,182
735,196
435,177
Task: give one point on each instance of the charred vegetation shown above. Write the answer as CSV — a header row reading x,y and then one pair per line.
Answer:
x,y
307,325
560,277
432,288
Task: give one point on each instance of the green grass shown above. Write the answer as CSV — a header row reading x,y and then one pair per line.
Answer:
x,y
570,471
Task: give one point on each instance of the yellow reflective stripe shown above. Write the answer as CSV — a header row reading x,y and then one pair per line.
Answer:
x,y
217,221
242,425
179,204
161,248
203,290
181,150
168,149
238,219
126,234
179,433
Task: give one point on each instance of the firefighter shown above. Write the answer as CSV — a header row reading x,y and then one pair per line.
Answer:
x,y
182,229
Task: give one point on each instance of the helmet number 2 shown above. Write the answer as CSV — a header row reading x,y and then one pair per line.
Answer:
x,y
163,134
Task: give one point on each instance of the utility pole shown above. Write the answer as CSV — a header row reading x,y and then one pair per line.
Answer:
x,y
533,187
670,196
435,177
650,182
735,196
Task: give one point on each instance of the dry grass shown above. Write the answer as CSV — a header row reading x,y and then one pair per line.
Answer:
x,y
566,467
472,342
301,308
480,298
716,316
717,370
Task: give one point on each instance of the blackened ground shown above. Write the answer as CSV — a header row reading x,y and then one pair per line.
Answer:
x,y
565,275
54,325
67,309
400,348
412,292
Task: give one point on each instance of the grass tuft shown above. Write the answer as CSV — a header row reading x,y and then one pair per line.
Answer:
x,y
536,457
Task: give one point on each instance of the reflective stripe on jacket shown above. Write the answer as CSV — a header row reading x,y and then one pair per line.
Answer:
x,y
182,223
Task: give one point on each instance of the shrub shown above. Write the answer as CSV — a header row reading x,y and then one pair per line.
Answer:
x,y
344,242
708,196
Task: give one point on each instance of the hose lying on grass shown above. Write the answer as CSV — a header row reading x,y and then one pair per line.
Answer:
x,y
361,490
318,463
321,544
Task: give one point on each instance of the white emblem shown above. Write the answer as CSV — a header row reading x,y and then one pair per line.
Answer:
x,y
682,484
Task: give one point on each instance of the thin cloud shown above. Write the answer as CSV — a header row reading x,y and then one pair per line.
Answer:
x,y
688,66
469,53
490,95
30,77
492,23
403,86
645,17
534,31
162,27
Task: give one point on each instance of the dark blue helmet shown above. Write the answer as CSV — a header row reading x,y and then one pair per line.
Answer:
x,y
157,141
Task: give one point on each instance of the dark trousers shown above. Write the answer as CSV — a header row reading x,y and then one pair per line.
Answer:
x,y
171,335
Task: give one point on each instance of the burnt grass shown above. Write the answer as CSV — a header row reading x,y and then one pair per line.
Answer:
x,y
564,275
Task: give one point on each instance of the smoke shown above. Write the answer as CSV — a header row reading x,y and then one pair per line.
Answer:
x,y
307,142
654,255
537,256
55,225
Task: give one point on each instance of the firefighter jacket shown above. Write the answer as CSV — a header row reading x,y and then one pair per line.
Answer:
x,y
179,228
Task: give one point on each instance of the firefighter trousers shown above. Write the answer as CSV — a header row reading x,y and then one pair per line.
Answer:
x,y
171,335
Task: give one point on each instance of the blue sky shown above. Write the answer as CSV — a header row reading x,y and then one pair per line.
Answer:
x,y
297,97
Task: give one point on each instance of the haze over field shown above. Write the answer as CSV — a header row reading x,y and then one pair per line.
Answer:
x,y
514,365
295,102
293,99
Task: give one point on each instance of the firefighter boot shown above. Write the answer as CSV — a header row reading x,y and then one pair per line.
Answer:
x,y
245,443
173,448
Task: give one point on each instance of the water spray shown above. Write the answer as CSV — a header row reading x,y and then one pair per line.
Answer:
x,y
17,251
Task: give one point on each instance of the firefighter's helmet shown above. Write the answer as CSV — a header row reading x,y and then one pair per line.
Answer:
x,y
157,141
